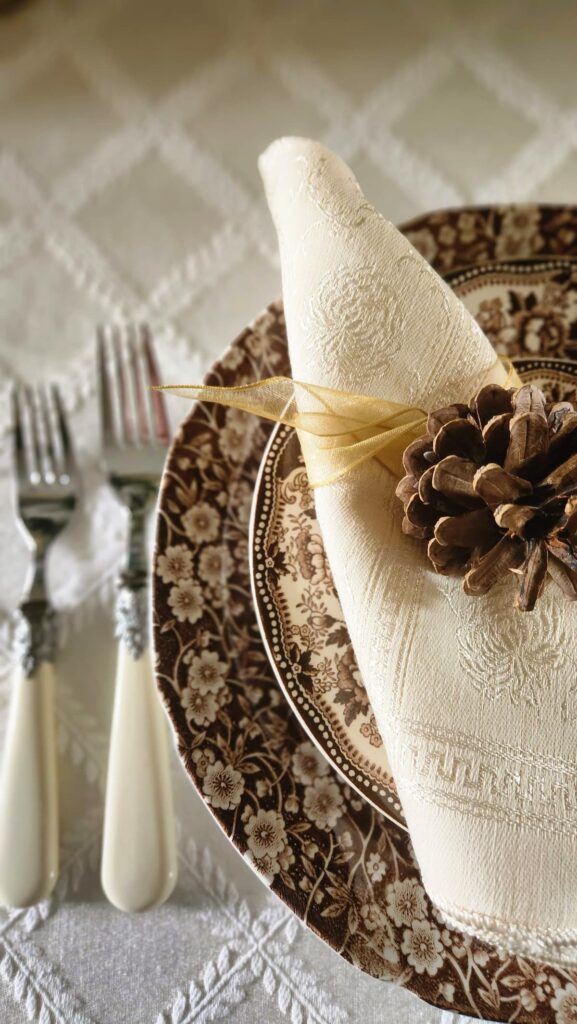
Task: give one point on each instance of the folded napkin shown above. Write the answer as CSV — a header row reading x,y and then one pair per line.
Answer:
x,y
476,701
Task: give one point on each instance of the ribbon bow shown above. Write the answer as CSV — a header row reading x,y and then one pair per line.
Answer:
x,y
337,430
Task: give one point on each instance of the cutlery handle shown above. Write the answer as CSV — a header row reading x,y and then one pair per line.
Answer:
x,y
139,843
29,791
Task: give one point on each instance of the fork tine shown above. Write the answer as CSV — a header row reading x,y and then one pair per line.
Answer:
x,y
133,409
136,371
19,452
140,369
62,434
160,417
120,390
40,433
46,431
32,442
107,418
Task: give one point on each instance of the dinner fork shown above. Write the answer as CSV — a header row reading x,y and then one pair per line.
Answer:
x,y
46,482
139,845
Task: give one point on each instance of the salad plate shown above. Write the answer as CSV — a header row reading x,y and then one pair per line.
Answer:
x,y
300,616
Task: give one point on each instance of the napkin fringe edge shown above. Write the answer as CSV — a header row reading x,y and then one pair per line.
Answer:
x,y
555,946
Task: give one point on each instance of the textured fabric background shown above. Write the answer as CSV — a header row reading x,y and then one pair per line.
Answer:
x,y
129,133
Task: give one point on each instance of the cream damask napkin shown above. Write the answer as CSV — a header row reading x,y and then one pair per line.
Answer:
x,y
476,702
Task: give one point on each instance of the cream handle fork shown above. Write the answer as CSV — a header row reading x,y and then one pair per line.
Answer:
x,y
139,846
139,842
29,791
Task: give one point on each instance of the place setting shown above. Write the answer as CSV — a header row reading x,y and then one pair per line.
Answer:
x,y
377,737
358,614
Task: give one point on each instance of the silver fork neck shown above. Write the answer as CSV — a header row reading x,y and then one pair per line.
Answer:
x,y
138,496
132,604
36,636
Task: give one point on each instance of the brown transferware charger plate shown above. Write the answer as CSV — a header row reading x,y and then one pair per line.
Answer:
x,y
344,868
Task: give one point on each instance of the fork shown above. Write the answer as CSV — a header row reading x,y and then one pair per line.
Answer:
x,y
139,845
46,482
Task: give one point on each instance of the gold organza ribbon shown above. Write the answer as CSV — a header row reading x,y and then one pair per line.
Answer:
x,y
337,430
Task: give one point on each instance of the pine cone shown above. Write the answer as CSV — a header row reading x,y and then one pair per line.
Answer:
x,y
493,487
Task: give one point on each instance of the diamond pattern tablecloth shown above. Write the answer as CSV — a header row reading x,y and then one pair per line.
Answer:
x,y
129,133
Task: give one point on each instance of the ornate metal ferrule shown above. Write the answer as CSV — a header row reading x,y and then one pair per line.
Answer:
x,y
131,612
36,635
132,609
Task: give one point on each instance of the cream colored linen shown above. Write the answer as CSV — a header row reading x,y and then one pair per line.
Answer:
x,y
476,702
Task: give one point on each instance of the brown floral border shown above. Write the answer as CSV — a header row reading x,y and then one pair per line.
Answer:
x,y
303,627
454,239
349,874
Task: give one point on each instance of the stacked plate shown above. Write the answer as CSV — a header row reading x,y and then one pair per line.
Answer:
x,y
253,657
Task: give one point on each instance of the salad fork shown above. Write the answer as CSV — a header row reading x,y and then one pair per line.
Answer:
x,y
139,845
46,482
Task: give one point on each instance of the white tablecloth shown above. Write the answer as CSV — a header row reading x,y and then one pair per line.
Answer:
x,y
129,133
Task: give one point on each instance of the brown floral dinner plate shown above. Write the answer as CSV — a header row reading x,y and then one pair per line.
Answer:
x,y
528,309
344,868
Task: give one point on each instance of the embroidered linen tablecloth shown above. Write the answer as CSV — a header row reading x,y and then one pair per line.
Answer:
x,y
128,141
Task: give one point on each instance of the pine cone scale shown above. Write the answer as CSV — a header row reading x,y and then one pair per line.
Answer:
x,y
495,485
447,558
496,437
491,401
564,552
532,576
451,412
529,440
565,434
514,518
425,487
468,530
563,577
504,555
459,437
453,477
564,477
414,459
570,526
